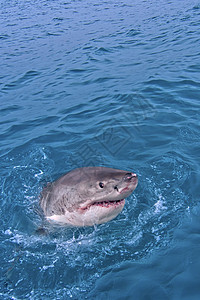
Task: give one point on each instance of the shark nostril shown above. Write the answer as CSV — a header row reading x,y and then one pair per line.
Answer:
x,y
129,176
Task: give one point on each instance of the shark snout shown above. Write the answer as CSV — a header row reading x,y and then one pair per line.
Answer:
x,y
127,184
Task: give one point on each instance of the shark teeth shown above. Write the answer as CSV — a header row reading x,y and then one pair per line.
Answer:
x,y
104,204
107,203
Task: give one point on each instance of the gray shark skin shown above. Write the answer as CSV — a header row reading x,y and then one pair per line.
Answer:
x,y
87,196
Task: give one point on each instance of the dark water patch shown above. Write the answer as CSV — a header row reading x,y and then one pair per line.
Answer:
x,y
133,32
103,79
168,84
4,37
77,70
189,94
193,68
80,107
196,7
58,19
190,135
30,75
19,129
10,109
52,34
102,50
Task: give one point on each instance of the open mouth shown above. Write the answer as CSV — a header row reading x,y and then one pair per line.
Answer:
x,y
105,204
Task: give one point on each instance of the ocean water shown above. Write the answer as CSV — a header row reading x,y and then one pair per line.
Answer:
x,y
101,83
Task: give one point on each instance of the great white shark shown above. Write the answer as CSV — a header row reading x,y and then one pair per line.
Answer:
x,y
87,196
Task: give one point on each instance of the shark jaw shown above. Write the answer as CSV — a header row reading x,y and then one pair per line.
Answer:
x,y
93,214
105,204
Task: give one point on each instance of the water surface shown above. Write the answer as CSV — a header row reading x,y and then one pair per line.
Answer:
x,y
109,83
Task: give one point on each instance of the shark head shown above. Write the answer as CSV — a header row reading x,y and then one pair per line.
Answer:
x,y
88,196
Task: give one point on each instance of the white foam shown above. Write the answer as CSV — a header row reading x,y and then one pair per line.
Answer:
x,y
159,205
8,232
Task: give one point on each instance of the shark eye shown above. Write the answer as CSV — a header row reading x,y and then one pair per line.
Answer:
x,y
101,184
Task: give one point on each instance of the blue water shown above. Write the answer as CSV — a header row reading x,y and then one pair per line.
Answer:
x,y
110,83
